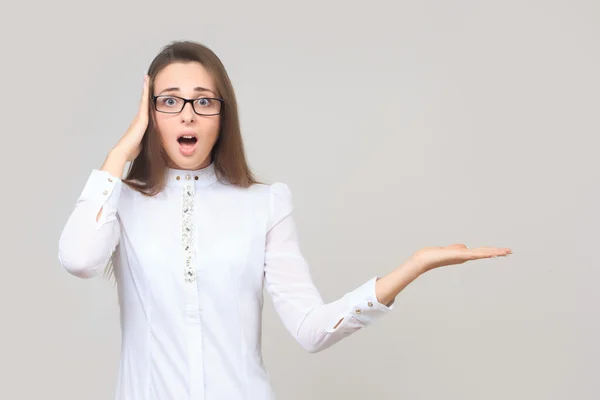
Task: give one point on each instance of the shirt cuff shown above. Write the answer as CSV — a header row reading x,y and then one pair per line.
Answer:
x,y
103,190
363,308
364,304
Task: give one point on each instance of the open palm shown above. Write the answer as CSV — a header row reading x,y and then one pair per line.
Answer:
x,y
438,256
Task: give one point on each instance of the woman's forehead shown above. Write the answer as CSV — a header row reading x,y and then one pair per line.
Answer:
x,y
184,77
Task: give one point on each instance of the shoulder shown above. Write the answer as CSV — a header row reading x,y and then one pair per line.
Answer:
x,y
280,189
257,193
278,201
275,192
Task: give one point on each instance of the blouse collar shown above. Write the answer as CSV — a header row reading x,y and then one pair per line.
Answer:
x,y
200,177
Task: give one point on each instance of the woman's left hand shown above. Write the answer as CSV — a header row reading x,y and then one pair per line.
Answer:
x,y
433,257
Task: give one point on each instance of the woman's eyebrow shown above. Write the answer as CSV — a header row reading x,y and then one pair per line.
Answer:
x,y
196,89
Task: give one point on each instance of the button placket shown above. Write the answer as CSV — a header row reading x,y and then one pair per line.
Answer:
x,y
187,232
191,301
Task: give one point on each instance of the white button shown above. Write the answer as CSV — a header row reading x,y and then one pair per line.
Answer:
x,y
110,179
105,192
187,177
370,304
357,311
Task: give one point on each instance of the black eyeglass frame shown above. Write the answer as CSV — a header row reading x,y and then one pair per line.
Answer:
x,y
185,101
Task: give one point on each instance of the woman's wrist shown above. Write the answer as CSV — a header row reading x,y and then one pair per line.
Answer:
x,y
115,162
389,286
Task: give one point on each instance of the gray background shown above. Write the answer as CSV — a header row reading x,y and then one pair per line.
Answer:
x,y
397,125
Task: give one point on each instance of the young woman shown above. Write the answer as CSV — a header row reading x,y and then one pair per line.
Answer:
x,y
193,238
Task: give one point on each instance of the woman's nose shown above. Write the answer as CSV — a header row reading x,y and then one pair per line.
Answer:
x,y
188,114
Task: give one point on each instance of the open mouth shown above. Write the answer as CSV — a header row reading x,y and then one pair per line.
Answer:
x,y
187,140
187,144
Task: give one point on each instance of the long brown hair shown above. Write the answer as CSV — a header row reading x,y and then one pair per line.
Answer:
x,y
146,172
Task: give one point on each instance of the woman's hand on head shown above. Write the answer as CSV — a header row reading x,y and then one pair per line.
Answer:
x,y
438,256
130,143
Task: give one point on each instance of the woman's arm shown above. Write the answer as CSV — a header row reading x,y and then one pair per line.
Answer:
x,y
314,324
317,325
92,231
91,234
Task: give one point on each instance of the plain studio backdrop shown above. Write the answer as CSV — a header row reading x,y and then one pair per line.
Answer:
x,y
397,125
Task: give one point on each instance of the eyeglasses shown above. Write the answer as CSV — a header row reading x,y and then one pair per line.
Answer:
x,y
175,104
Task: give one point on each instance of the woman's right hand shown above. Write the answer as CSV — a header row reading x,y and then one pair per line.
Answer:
x,y
131,143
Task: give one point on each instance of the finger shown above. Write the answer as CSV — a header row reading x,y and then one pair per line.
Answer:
x,y
145,95
495,249
491,250
488,252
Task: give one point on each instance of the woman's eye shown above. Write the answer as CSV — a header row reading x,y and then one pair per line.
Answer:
x,y
169,101
203,102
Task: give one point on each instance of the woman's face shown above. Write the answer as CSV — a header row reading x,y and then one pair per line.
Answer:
x,y
186,136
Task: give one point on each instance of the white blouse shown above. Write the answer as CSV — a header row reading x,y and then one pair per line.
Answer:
x,y
191,264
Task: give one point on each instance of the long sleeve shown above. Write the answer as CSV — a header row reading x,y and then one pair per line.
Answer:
x,y
86,245
314,324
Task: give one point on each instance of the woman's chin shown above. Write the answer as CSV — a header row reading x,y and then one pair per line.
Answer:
x,y
178,161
